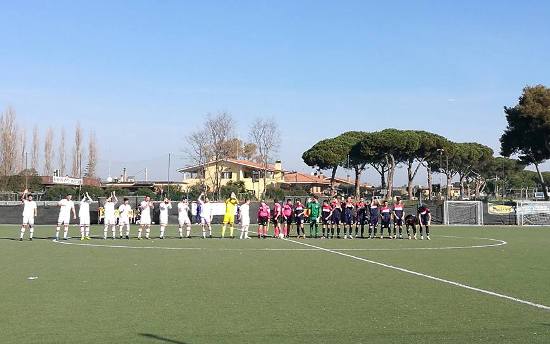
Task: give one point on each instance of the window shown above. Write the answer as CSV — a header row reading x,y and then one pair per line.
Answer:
x,y
227,175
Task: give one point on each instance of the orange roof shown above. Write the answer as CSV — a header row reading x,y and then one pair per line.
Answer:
x,y
301,178
252,164
247,163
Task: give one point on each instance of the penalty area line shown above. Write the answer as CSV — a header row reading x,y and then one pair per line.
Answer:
x,y
456,284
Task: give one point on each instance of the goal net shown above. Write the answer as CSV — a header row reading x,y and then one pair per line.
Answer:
x,y
463,213
533,213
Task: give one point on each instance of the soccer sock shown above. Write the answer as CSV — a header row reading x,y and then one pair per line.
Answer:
x,y
231,230
204,232
246,231
147,232
127,230
65,231
81,232
22,232
139,232
223,231
188,232
105,229
31,231
427,230
338,230
316,229
87,231
162,228
180,231
209,230
114,231
57,233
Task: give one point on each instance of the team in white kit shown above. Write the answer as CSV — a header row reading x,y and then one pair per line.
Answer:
x,y
67,208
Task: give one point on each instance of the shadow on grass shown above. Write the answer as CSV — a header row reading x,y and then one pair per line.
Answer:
x,y
161,339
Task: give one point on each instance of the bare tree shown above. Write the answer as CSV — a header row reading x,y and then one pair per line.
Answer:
x,y
48,152
77,151
21,150
35,149
198,151
92,156
61,154
209,144
264,133
8,142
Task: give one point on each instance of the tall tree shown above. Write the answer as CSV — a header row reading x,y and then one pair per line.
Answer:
x,y
92,156
35,149
327,154
61,155
416,147
209,144
48,152
470,159
528,130
265,134
348,141
77,152
8,142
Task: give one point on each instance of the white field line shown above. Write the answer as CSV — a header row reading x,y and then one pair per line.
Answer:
x,y
456,284
497,243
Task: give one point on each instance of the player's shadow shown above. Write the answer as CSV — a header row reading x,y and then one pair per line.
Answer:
x,y
161,339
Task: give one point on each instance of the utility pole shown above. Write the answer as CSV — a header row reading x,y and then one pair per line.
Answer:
x,y
26,171
169,158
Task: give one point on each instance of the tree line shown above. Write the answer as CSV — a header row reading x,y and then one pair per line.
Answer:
x,y
44,155
527,136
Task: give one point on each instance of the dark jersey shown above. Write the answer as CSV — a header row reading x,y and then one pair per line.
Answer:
x,y
385,213
424,214
398,210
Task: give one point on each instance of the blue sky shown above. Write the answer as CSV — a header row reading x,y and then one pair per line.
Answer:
x,y
143,74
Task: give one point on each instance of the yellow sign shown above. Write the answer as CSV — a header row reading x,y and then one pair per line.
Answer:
x,y
499,209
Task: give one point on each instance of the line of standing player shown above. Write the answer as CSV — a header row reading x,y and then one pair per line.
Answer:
x,y
333,216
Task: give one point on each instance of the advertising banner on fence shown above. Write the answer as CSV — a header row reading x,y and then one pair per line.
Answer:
x,y
500,209
67,181
533,208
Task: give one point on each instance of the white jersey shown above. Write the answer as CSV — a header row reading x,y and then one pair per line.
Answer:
x,y
183,210
84,209
164,207
65,207
84,213
109,210
145,217
28,208
206,211
245,214
124,212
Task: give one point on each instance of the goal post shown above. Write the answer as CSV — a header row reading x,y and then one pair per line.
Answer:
x,y
463,213
533,213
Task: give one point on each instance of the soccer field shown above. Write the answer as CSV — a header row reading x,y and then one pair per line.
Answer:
x,y
278,291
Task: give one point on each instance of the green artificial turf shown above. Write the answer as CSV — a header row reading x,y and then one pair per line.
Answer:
x,y
275,291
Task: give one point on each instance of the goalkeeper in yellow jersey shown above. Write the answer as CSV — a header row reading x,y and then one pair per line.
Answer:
x,y
229,217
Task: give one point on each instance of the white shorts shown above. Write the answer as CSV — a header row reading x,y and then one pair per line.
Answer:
x,y
28,220
64,219
205,221
163,220
85,220
123,221
245,223
146,220
184,221
109,221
